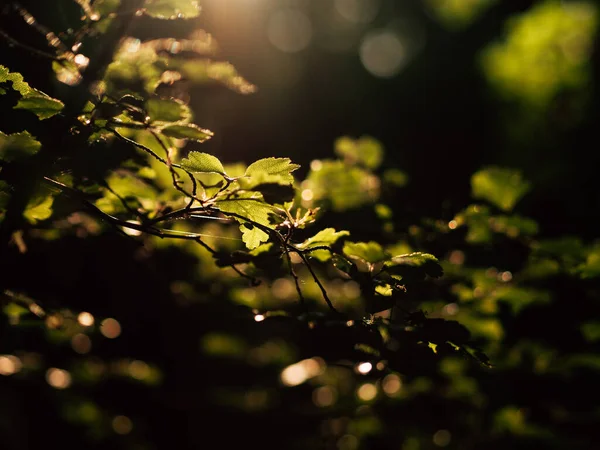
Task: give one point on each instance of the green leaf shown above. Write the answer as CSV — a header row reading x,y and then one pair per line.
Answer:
x,y
17,146
499,186
275,193
18,84
40,104
199,162
39,208
252,236
325,237
414,266
187,131
206,71
32,100
365,151
281,167
370,252
249,209
167,110
172,9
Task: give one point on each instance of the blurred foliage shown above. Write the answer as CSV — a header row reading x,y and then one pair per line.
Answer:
x,y
545,52
457,14
156,296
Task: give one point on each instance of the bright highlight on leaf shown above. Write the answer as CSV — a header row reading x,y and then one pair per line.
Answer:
x,y
281,168
254,210
371,252
198,162
172,9
327,236
32,100
188,131
414,266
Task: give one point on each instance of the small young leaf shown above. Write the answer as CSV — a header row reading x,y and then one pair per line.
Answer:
x,y
253,236
202,163
282,167
17,146
187,131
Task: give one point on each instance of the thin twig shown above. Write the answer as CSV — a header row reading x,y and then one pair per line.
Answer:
x,y
314,275
174,174
294,275
32,50
138,145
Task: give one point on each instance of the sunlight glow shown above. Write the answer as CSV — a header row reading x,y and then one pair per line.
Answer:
x,y
367,392
383,53
451,309
358,11
289,30
85,319
110,328
391,384
364,368
324,396
131,231
301,371
9,364
139,369
58,378
81,343
81,60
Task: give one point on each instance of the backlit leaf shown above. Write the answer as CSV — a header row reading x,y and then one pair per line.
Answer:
x,y
17,146
325,237
39,208
188,131
414,266
281,167
172,9
202,163
253,209
40,104
167,110
370,252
